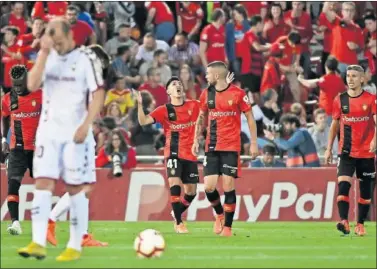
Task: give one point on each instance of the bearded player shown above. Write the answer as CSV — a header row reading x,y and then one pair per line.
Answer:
x,y
62,206
178,119
20,112
222,104
71,78
354,114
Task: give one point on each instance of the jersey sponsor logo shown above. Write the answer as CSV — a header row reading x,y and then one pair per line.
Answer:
x,y
219,114
23,115
182,126
217,45
355,119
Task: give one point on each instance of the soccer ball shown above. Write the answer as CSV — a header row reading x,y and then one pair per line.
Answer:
x,y
149,243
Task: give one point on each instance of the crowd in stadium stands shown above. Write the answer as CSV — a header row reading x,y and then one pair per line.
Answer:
x,y
290,57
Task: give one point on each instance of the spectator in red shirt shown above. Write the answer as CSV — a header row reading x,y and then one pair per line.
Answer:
x,y
161,19
300,22
234,32
275,25
325,28
189,19
29,43
255,8
83,34
54,9
14,18
370,35
10,55
212,39
154,87
191,88
348,39
289,62
330,85
252,61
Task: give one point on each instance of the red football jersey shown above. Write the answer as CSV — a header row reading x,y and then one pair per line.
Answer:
x,y
357,126
163,12
24,119
179,126
224,117
189,15
215,39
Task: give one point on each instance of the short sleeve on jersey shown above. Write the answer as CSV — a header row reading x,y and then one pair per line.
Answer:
x,y
93,72
158,114
336,108
203,101
5,112
244,103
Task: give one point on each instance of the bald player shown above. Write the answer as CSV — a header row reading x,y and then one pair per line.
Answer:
x,y
222,104
64,140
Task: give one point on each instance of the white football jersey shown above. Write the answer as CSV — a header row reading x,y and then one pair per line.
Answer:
x,y
68,83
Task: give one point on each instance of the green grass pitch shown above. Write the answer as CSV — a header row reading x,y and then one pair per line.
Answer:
x,y
264,244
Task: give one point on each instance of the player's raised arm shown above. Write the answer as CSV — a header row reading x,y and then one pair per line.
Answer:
x,y
34,80
143,119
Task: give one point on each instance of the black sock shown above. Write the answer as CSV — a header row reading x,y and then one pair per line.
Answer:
x,y
363,207
229,207
365,187
13,199
186,201
343,199
214,199
175,195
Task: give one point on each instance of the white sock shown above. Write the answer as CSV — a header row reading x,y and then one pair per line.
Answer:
x,y
39,214
79,215
86,223
60,207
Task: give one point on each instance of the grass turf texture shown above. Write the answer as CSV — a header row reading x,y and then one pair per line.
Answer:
x,y
264,244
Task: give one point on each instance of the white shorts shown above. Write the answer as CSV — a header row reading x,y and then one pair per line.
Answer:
x,y
74,163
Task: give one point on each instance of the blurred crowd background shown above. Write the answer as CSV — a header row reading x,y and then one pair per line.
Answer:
x,y
290,58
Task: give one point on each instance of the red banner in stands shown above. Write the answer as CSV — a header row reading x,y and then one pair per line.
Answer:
x,y
262,195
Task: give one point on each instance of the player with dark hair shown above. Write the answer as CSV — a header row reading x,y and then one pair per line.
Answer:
x,y
354,114
178,118
20,111
223,103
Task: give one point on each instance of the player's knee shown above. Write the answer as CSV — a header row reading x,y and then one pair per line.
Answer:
x,y
45,184
190,189
343,191
228,183
73,189
210,183
173,181
88,189
14,184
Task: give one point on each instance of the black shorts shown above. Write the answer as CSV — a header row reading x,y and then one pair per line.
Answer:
x,y
186,170
365,168
18,162
250,82
221,163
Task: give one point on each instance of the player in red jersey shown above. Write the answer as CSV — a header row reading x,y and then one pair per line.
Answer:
x,y
178,119
20,111
354,113
223,103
